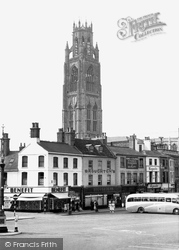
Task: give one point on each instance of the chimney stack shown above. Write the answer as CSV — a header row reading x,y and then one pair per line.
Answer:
x,y
35,131
21,147
60,135
5,148
70,137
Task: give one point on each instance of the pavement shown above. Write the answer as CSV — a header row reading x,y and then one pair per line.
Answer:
x,y
31,215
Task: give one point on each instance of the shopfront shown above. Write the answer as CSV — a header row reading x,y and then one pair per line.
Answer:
x,y
40,199
102,195
154,187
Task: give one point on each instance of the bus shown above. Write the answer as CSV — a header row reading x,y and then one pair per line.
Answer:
x,y
153,203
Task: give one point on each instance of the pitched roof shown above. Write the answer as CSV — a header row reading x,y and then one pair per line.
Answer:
x,y
59,147
82,145
125,151
154,153
117,139
11,162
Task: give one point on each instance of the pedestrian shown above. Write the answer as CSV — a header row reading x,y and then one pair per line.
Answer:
x,y
92,205
65,208
95,206
112,207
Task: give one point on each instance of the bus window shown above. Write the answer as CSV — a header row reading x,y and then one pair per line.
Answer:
x,y
152,199
137,199
174,200
161,199
130,199
168,199
145,199
155,199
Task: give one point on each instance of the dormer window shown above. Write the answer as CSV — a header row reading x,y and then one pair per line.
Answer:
x,y
99,148
90,147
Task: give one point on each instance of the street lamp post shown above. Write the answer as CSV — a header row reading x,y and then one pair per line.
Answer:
x,y
15,197
3,227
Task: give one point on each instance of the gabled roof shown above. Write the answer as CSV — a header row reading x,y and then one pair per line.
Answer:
x,y
11,162
126,151
59,147
83,144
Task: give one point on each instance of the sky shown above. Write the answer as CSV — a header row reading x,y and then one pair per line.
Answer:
x,y
139,78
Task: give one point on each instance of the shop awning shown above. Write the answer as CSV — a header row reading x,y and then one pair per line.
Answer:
x,y
31,197
9,196
61,195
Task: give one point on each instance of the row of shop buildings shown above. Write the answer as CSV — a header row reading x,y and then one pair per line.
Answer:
x,y
46,175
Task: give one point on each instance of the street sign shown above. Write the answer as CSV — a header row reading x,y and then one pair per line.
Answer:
x,y
7,203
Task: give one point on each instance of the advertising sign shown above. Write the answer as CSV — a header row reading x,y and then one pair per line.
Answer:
x,y
132,163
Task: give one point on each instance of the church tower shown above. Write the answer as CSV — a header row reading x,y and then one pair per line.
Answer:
x,y
82,109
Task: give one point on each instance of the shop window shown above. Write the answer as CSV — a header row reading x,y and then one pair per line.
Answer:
x,y
41,161
55,162
150,176
40,178
24,161
24,178
65,163
75,179
65,179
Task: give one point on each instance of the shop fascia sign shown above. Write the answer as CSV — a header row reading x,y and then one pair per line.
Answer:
x,y
154,168
154,185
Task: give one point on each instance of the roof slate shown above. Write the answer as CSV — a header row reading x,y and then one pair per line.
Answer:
x,y
81,145
11,162
125,151
59,147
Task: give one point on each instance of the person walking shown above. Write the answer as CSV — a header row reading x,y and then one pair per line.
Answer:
x,y
109,205
95,206
112,207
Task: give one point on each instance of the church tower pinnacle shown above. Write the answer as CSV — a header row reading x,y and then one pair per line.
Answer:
x,y
82,109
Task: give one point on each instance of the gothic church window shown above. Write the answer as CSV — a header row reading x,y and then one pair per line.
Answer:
x,y
90,79
88,47
74,79
95,118
88,117
76,46
70,116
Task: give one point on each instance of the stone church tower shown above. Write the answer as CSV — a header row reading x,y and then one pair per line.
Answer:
x,y
82,109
